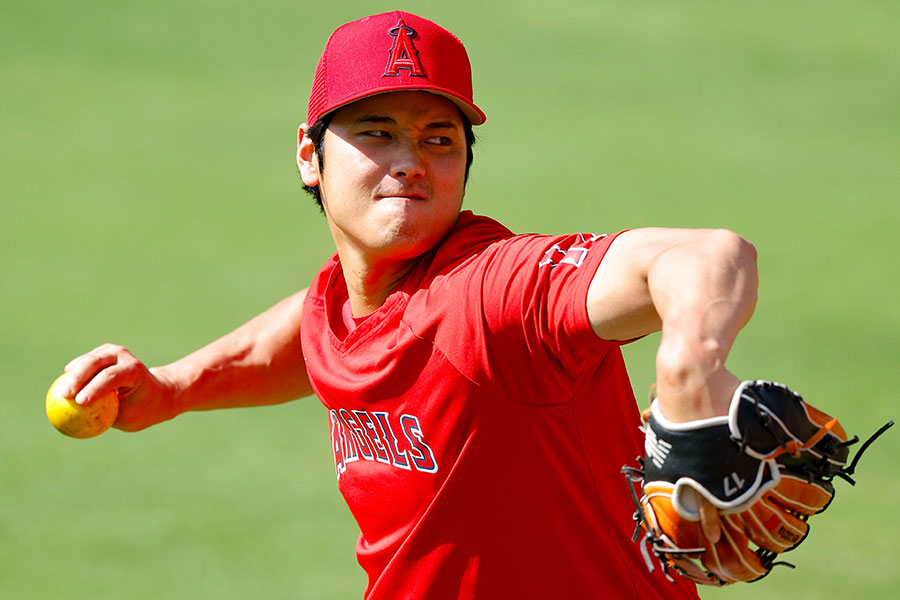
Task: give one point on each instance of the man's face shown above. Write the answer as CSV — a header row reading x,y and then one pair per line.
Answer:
x,y
394,174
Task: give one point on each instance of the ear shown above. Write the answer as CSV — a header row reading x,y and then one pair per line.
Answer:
x,y
307,161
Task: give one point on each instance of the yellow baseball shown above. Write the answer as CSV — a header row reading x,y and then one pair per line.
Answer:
x,y
76,420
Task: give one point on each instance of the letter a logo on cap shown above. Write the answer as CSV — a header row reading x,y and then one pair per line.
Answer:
x,y
403,54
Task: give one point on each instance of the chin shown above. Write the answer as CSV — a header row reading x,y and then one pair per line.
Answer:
x,y
405,248
409,244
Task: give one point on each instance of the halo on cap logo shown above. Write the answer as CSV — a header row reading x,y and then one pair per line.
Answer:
x,y
403,53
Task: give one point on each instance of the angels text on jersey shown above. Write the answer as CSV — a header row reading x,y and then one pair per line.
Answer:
x,y
378,436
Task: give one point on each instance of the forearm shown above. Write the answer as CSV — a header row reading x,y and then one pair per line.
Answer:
x,y
704,292
259,363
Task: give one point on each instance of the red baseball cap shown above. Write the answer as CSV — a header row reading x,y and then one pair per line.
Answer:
x,y
390,52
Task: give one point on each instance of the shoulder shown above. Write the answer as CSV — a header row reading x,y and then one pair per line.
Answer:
x,y
479,237
472,233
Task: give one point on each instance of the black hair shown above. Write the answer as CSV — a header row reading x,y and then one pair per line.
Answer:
x,y
316,133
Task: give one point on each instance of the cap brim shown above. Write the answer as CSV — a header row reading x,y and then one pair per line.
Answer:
x,y
474,114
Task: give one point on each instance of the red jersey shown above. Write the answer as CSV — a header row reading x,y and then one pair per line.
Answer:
x,y
479,425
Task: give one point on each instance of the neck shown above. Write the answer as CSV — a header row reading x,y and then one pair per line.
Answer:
x,y
370,284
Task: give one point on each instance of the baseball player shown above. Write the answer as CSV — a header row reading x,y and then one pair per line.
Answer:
x,y
479,407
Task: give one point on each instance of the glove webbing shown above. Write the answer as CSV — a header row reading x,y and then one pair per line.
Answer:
x,y
846,472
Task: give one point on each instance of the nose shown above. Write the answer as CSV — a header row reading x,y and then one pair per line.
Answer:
x,y
407,162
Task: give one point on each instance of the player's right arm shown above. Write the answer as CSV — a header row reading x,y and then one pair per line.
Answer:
x,y
259,363
699,287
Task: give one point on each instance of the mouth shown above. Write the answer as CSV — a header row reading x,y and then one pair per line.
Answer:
x,y
411,196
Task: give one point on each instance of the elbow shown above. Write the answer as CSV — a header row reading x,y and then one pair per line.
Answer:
x,y
733,244
746,249
746,255
733,250
738,257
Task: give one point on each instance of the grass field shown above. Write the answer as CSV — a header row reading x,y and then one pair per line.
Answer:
x,y
149,198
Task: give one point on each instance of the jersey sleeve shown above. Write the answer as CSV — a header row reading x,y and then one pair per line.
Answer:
x,y
519,321
537,286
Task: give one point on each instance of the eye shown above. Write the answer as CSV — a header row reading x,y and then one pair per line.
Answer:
x,y
439,140
377,133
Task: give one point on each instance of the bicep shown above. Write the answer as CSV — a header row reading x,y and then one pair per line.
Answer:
x,y
618,301
645,270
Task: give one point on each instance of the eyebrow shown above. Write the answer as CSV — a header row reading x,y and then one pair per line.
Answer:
x,y
368,119
375,119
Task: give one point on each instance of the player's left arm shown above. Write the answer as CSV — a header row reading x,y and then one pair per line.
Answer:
x,y
699,287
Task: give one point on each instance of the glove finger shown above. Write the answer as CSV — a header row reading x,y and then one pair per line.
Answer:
x,y
802,496
732,559
772,527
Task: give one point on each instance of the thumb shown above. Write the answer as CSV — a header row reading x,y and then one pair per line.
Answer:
x,y
709,520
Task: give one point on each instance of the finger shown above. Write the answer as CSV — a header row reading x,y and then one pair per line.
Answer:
x,y
79,361
709,520
100,353
111,379
96,373
82,369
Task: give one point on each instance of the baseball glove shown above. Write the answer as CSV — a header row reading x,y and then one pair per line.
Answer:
x,y
722,498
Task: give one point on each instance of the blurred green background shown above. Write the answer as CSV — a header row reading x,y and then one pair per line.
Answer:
x,y
150,198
